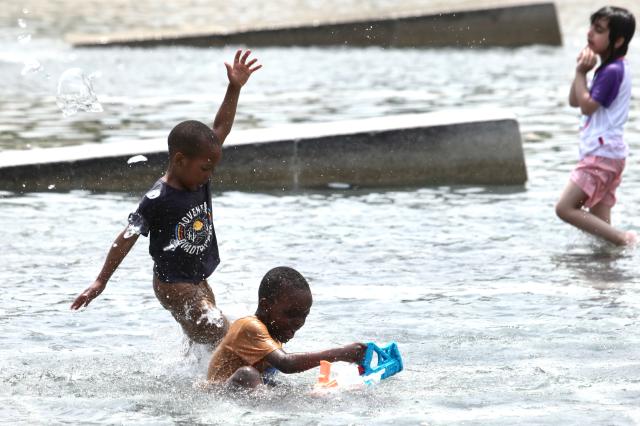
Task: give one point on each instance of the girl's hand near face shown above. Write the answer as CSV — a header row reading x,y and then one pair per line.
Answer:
x,y
587,59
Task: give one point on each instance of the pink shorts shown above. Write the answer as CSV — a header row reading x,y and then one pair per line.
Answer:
x,y
598,177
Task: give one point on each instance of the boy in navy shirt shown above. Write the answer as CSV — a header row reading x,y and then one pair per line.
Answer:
x,y
176,213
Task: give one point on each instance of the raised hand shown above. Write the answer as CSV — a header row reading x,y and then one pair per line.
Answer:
x,y
241,70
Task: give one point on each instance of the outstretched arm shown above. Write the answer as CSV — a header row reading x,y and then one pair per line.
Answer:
x,y
238,75
297,362
119,249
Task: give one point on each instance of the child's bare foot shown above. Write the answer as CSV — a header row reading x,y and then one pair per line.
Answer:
x,y
630,238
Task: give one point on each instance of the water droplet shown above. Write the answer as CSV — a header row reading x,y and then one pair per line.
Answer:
x,y
131,231
338,185
25,11
137,159
24,38
22,23
31,66
115,245
75,93
173,244
52,186
154,193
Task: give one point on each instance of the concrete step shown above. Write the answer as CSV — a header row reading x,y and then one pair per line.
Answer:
x,y
511,24
468,147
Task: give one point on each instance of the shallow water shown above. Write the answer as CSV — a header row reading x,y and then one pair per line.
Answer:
x,y
503,314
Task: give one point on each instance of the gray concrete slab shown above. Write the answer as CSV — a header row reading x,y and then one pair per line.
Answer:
x,y
474,147
509,25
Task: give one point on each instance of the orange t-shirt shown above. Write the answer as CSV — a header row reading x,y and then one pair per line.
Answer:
x,y
246,344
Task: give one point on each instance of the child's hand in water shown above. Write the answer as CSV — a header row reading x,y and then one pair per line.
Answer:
x,y
587,59
241,70
354,352
88,295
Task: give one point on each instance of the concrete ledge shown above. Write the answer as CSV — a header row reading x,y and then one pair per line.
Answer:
x,y
511,25
458,147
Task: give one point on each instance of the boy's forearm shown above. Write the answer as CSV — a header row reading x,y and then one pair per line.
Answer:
x,y
118,251
226,113
298,362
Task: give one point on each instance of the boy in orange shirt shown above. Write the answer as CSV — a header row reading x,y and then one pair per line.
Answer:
x,y
253,345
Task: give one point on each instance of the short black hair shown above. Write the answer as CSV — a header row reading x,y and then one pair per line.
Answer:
x,y
190,137
278,279
621,24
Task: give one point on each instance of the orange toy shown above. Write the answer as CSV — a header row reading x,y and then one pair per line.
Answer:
x,y
324,377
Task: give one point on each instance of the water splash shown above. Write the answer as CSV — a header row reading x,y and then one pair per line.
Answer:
x,y
24,38
137,159
132,230
22,23
211,316
52,186
173,244
75,93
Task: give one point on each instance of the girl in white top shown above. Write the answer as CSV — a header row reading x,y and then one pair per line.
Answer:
x,y
590,194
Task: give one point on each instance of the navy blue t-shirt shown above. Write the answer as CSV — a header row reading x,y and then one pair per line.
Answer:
x,y
183,242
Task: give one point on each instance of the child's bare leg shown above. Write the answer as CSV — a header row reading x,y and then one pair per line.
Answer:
x,y
602,211
194,307
245,377
569,209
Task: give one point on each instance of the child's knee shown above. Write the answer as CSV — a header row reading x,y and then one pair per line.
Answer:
x,y
562,210
245,377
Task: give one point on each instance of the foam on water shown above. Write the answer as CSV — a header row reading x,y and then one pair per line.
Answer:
x,y
31,66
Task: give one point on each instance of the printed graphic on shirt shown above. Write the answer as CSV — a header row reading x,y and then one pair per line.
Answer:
x,y
193,232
